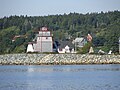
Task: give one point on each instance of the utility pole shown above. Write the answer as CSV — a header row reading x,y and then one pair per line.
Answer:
x,y
119,45
75,47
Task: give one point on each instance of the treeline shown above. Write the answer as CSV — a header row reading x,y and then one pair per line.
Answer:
x,y
104,27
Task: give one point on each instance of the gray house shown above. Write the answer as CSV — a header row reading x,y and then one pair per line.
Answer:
x,y
79,42
43,42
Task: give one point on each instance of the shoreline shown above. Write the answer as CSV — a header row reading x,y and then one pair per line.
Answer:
x,y
58,59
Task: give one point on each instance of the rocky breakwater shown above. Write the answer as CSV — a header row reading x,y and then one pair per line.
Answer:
x,y
61,59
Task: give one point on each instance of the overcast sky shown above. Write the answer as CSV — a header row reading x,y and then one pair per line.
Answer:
x,y
53,7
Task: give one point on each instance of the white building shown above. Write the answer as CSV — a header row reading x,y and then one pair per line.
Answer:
x,y
66,47
43,42
110,52
61,50
30,47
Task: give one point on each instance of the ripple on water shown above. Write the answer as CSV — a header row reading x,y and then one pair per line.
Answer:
x,y
52,85
60,78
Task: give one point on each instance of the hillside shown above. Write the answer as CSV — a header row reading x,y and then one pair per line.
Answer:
x,y
104,28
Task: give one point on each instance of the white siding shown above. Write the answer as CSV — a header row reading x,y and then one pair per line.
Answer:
x,y
44,33
30,48
47,46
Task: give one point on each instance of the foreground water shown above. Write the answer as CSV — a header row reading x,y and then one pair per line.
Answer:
x,y
64,77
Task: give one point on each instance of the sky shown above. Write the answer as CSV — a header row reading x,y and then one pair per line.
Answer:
x,y
53,7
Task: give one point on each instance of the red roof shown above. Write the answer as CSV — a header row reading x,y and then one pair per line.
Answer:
x,y
44,29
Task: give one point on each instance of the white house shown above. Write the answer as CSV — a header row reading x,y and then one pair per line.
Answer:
x,y
61,50
66,47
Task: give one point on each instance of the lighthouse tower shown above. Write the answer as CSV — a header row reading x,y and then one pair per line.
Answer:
x,y
43,41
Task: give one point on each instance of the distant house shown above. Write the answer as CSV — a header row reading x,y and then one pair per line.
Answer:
x,y
79,42
43,42
65,47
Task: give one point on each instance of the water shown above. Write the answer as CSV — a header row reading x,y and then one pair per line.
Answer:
x,y
64,77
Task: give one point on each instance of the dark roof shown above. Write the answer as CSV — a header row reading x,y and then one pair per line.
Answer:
x,y
62,44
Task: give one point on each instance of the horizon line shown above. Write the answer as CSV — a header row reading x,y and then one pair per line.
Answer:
x,y
59,14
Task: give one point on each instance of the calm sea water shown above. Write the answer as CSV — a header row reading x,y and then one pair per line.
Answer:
x,y
64,77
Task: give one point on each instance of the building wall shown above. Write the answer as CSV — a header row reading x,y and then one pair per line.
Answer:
x,y
44,44
37,47
47,46
82,43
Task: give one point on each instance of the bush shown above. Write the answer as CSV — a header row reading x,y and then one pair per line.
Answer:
x,y
85,49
